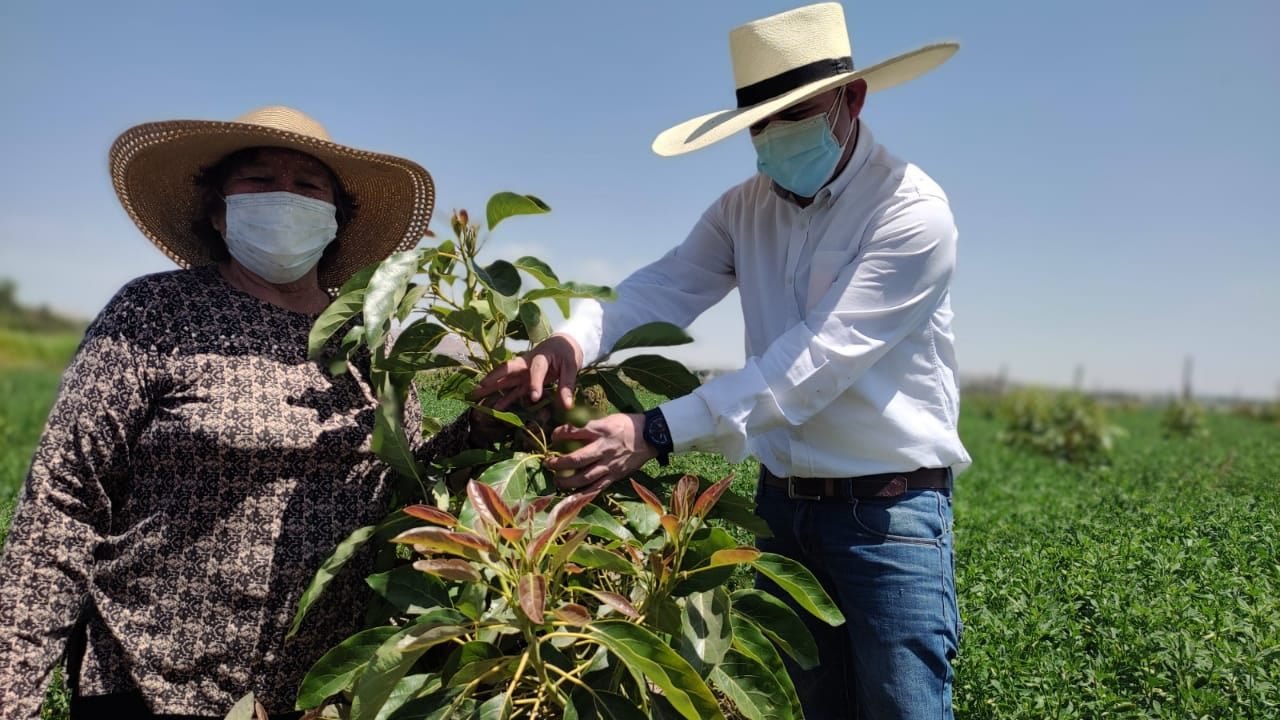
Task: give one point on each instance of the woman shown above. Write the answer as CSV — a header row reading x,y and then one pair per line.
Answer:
x,y
196,468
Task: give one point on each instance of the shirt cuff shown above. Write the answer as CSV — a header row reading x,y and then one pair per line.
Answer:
x,y
586,326
690,422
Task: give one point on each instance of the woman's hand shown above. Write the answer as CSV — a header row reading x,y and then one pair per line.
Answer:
x,y
557,357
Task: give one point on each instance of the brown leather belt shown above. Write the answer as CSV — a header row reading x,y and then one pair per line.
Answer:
x,y
884,485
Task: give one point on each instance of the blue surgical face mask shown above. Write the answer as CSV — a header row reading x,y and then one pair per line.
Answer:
x,y
800,155
279,235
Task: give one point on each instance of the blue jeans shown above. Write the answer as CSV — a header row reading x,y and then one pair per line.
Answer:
x,y
889,566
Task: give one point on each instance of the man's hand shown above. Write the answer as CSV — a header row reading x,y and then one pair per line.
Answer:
x,y
558,358
616,449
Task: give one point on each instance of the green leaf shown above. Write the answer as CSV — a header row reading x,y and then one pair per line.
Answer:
x,y
779,622
341,554
335,316
335,671
509,418
535,323
390,443
476,456
397,654
753,688
466,654
598,558
706,542
457,386
654,334
568,291
506,204
466,322
650,660
408,590
738,511
418,338
705,630
499,276
602,293
495,708
640,517
489,671
511,477
600,523
801,585
386,288
410,301
660,375
409,687
360,280
617,391
749,640
601,705
439,705
539,270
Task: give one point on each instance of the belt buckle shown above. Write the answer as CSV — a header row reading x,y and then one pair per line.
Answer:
x,y
792,495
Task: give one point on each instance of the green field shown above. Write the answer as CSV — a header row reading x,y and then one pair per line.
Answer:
x,y
1147,588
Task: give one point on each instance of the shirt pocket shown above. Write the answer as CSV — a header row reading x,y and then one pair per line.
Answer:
x,y
823,271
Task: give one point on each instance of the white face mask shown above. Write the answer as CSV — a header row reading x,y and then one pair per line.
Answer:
x,y
279,236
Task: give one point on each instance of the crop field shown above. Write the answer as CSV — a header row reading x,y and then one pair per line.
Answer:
x,y
1145,586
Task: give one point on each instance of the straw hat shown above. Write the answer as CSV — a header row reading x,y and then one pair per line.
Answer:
x,y
785,59
153,169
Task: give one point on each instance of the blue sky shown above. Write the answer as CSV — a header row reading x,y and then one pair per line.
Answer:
x,y
1112,165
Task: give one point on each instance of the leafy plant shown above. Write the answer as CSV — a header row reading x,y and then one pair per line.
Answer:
x,y
1070,427
1184,419
506,599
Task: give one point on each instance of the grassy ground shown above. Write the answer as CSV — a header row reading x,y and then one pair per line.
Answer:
x,y
1147,588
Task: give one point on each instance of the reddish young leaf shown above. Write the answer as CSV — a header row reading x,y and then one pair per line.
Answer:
x,y
671,525
431,515
616,601
648,497
573,569
435,539
635,553
572,614
532,592
533,507
568,509
471,541
489,505
682,496
711,497
567,548
449,569
539,544
511,535
734,556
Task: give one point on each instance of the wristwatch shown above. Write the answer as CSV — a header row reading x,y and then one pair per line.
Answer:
x,y
657,434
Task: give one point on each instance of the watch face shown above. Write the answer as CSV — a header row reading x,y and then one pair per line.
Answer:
x,y
658,433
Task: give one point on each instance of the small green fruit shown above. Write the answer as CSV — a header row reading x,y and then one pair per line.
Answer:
x,y
579,416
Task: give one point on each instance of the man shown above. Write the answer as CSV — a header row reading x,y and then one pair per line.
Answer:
x,y
843,255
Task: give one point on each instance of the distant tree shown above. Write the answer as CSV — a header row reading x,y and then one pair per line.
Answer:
x,y
15,316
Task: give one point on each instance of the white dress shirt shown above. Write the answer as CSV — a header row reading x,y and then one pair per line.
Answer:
x,y
851,366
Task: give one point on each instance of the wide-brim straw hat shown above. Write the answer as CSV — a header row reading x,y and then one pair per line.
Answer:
x,y
154,166
785,59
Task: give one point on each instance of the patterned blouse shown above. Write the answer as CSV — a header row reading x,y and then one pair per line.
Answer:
x,y
195,471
